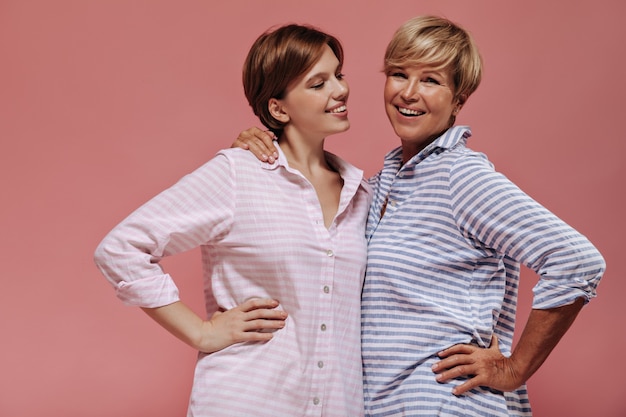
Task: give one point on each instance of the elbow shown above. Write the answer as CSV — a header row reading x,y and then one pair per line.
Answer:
x,y
595,267
107,257
600,266
99,255
102,254
597,264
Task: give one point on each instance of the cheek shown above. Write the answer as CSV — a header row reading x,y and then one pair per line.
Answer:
x,y
389,90
441,104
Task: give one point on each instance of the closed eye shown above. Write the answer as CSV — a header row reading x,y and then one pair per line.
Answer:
x,y
431,80
397,75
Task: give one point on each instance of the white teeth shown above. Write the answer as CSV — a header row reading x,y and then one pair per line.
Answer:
x,y
409,112
338,109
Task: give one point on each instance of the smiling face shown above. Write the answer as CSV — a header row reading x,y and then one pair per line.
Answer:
x,y
314,105
278,60
420,104
432,67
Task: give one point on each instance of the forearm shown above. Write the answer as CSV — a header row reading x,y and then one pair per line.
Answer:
x,y
179,320
488,367
254,320
543,330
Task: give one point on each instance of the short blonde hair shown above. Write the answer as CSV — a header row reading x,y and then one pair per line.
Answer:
x,y
436,41
276,59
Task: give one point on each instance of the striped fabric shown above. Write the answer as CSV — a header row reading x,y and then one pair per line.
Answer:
x,y
443,268
261,232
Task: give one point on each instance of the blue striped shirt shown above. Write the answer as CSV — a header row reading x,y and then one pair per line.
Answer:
x,y
443,268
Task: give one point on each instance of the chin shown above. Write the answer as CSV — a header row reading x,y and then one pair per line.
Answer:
x,y
343,128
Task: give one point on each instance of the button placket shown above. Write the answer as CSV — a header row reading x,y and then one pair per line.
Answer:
x,y
325,318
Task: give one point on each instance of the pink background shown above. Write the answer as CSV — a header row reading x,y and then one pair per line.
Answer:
x,y
105,103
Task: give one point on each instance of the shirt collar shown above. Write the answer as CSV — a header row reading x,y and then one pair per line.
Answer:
x,y
455,136
351,175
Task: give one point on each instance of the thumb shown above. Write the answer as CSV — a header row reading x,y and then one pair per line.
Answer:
x,y
494,342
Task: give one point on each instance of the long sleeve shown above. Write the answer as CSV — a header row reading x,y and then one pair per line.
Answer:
x,y
493,212
195,210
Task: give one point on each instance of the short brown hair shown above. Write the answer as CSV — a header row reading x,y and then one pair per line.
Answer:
x,y
439,42
276,59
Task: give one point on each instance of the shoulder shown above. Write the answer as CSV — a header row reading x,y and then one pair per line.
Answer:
x,y
232,159
237,154
463,160
471,172
224,166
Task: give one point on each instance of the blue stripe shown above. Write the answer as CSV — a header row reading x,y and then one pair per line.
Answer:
x,y
443,268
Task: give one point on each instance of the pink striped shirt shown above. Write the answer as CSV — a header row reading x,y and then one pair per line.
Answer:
x,y
261,232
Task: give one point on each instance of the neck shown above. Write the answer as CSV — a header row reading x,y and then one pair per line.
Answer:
x,y
304,155
410,149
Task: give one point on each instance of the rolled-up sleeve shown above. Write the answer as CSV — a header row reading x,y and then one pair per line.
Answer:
x,y
494,211
195,210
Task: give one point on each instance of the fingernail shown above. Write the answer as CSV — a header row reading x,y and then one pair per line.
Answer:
x,y
275,155
265,157
271,160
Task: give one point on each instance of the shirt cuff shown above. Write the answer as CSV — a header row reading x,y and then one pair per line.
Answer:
x,y
150,292
546,298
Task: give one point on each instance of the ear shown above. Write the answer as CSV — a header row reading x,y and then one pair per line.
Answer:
x,y
277,110
459,105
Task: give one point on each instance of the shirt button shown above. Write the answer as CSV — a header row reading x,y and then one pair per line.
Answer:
x,y
323,327
320,364
329,252
326,289
316,401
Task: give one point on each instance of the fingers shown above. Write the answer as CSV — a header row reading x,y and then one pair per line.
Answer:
x,y
458,361
255,337
257,303
260,314
468,385
454,356
259,325
457,349
486,367
263,325
453,367
259,142
254,320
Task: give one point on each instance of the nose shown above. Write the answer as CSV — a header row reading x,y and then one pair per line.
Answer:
x,y
341,89
411,91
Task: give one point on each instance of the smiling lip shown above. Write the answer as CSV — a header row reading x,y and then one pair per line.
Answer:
x,y
338,109
409,112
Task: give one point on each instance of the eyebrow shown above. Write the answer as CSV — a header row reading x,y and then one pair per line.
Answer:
x,y
429,69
